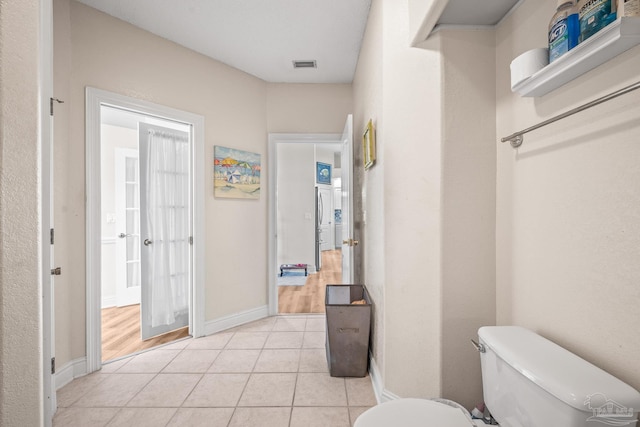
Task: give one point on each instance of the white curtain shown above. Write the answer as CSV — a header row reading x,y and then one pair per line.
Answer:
x,y
167,219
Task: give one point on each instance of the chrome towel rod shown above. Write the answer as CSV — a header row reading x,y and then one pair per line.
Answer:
x,y
516,139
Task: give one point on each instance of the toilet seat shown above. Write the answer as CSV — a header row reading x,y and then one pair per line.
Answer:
x,y
413,413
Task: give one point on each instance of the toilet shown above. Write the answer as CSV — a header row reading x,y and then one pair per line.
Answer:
x,y
528,381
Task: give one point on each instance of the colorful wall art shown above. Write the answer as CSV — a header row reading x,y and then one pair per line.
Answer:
x,y
323,173
236,173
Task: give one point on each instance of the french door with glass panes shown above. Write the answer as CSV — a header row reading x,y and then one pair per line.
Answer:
x,y
127,202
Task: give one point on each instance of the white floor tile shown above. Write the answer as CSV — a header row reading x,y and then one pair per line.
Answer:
x,y
198,417
278,360
82,417
166,390
269,390
114,391
315,389
142,417
235,361
192,361
269,373
217,390
263,417
320,417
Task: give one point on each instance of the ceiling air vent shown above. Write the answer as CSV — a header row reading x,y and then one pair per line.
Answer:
x,y
304,64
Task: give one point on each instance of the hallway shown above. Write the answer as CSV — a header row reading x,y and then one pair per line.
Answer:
x,y
310,297
268,373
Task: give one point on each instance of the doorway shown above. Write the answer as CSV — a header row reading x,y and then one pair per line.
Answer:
x,y
307,222
127,266
144,236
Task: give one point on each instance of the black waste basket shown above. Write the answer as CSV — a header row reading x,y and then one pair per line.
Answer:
x,y
348,328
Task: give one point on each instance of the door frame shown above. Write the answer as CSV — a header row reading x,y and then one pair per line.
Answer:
x,y
274,140
95,98
45,78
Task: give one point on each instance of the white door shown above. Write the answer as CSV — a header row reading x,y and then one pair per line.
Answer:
x,y
165,229
325,212
127,202
347,202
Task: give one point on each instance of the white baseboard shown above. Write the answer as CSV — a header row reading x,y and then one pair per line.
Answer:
x,y
236,319
382,395
109,302
67,373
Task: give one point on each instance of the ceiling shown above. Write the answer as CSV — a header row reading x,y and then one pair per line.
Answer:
x,y
265,37
260,37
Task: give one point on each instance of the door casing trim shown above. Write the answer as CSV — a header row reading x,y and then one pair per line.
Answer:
x,y
274,140
94,99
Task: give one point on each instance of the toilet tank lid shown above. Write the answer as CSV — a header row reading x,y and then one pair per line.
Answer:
x,y
561,373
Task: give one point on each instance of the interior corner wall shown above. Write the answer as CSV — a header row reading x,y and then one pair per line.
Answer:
x,y
568,223
369,254
411,158
400,200
21,357
468,206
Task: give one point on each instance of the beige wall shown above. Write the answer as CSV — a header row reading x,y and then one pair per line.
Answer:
x,y
369,254
308,108
21,382
568,217
412,199
468,206
400,200
429,202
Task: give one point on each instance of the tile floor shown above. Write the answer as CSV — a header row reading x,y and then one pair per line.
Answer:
x,y
269,373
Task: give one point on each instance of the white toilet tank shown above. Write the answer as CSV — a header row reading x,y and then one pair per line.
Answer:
x,y
528,381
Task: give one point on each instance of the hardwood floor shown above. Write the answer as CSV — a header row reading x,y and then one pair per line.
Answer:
x,y
310,297
121,333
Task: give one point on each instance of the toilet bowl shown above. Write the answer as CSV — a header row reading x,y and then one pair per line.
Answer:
x,y
416,413
527,380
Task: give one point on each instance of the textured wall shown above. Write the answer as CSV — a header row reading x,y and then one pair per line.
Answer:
x,y
20,307
568,211
468,207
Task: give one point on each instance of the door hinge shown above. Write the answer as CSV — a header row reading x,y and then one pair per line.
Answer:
x,y
53,365
51,100
191,240
56,271
52,236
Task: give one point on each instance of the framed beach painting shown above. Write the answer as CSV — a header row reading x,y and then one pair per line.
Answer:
x,y
369,146
323,173
236,173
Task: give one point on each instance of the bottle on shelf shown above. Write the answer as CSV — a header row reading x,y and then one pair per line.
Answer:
x,y
594,15
564,30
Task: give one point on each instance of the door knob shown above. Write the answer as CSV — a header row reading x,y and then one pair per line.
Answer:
x,y
147,242
122,235
350,242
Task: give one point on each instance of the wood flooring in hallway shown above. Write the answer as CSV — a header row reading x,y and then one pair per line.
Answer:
x,y
121,333
310,297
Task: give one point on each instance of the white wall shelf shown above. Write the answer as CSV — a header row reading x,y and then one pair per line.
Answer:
x,y
617,37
